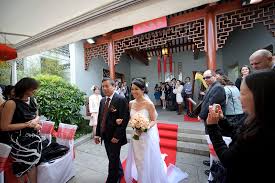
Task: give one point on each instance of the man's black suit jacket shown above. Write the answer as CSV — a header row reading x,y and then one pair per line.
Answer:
x,y
118,109
215,95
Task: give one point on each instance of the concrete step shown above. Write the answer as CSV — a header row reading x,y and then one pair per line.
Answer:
x,y
191,131
184,137
193,148
187,147
194,138
180,130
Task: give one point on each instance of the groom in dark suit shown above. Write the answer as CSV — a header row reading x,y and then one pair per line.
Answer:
x,y
113,108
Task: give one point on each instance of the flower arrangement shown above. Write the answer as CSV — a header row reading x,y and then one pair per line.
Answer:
x,y
140,124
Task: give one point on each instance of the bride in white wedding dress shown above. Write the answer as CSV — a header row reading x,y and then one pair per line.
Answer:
x,y
144,161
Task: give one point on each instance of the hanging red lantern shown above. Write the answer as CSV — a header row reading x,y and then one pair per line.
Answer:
x,y
7,52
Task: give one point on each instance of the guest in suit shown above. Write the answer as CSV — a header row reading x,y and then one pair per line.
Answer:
x,y
126,90
215,94
94,101
113,108
187,93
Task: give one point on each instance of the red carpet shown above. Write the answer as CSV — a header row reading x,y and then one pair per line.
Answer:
x,y
189,119
168,143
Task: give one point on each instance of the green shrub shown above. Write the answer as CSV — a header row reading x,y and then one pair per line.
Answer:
x,y
58,100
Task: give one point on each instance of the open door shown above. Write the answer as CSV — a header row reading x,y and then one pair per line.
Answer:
x,y
120,77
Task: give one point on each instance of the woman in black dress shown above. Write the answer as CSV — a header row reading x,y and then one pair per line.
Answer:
x,y
19,118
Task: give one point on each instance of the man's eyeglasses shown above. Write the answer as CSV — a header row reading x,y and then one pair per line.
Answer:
x,y
207,77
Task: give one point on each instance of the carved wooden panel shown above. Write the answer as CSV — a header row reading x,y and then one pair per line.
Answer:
x,y
95,51
245,18
194,31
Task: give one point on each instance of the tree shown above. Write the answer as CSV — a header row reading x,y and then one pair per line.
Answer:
x,y
50,66
5,73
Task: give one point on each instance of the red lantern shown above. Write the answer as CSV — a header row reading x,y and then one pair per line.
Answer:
x,y
7,53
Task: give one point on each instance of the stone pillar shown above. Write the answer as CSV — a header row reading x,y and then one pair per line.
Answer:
x,y
73,70
14,72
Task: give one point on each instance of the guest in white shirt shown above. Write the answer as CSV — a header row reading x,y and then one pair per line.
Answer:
x,y
178,89
94,101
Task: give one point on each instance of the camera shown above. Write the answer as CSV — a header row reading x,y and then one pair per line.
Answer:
x,y
216,107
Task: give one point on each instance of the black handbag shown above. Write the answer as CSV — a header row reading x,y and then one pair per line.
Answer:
x,y
218,172
53,152
196,111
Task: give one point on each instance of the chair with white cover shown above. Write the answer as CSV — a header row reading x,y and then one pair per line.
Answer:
x,y
213,155
47,129
62,169
4,155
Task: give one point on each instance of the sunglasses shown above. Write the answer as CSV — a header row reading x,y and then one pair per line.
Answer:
x,y
207,77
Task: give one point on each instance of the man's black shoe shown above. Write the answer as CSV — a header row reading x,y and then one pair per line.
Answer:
x,y
207,172
206,162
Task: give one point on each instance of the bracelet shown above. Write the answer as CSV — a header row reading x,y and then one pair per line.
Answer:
x,y
29,124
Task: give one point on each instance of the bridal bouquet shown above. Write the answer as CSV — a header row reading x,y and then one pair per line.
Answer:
x,y
140,123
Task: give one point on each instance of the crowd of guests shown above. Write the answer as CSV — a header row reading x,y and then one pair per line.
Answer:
x,y
122,89
173,95
245,116
239,110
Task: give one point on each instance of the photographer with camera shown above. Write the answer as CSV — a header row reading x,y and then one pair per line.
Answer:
x,y
250,150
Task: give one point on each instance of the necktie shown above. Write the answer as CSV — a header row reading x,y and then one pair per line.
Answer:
x,y
105,110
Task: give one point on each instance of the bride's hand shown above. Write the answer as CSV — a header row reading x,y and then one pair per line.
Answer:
x,y
138,132
119,121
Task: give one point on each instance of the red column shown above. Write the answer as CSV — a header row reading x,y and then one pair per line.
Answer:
x,y
210,38
171,63
164,64
111,59
159,69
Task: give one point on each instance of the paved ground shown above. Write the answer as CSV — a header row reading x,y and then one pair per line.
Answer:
x,y
91,162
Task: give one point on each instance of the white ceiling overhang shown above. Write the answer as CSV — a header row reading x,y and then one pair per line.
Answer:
x,y
52,23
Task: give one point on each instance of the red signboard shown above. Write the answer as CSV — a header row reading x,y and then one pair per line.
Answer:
x,y
150,25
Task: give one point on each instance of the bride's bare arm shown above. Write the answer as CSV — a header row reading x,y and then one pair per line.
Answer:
x,y
130,104
152,113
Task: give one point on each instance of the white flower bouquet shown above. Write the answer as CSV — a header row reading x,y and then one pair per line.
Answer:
x,y
140,124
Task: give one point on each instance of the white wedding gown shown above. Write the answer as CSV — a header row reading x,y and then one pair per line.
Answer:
x,y
144,161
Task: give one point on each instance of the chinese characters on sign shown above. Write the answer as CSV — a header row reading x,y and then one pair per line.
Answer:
x,y
150,25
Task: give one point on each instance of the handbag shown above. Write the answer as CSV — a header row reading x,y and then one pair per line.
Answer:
x,y
196,111
218,172
53,152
